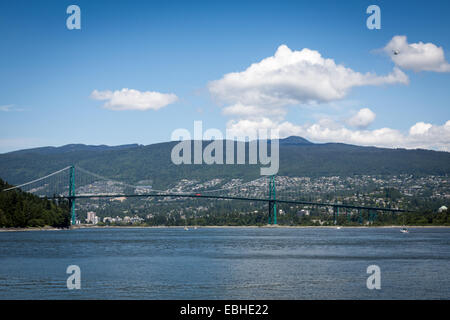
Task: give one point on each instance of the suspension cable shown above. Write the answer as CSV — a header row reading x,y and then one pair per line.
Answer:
x,y
27,183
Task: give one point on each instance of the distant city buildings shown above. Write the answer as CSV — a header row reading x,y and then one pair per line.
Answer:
x,y
121,199
143,189
390,191
92,217
303,212
125,220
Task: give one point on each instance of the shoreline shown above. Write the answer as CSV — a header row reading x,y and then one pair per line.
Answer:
x,y
213,227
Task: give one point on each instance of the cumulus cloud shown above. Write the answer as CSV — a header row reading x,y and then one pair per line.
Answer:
x,y
130,99
420,135
257,99
416,56
429,136
291,77
362,119
420,128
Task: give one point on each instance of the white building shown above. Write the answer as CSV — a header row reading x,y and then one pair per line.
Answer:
x,y
92,217
303,212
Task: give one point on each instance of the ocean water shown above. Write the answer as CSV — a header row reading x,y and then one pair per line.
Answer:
x,y
226,263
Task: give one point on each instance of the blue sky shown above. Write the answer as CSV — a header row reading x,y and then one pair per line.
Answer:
x,y
48,73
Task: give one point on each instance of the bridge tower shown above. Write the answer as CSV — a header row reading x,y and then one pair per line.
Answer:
x,y
372,216
272,201
72,193
336,214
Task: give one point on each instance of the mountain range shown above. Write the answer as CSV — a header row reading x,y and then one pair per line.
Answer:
x,y
298,157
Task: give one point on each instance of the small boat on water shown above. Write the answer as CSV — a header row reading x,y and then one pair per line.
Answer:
x,y
338,228
186,228
403,229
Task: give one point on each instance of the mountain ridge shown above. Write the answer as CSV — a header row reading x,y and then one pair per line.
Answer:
x,y
76,147
134,162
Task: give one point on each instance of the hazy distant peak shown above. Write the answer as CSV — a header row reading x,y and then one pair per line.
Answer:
x,y
294,140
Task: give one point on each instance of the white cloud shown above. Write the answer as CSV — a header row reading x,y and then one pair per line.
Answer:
x,y
6,108
9,107
291,77
429,136
257,99
420,128
362,119
130,99
435,137
416,56
252,111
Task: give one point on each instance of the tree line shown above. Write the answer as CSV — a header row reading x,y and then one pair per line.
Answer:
x,y
19,209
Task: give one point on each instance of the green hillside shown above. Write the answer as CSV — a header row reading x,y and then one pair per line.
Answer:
x,y
298,157
20,209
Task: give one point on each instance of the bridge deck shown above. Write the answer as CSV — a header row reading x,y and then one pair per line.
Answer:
x,y
321,204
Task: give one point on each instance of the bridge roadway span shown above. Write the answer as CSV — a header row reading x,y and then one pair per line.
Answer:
x,y
198,195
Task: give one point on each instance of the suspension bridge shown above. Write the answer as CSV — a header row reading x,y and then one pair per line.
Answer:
x,y
74,183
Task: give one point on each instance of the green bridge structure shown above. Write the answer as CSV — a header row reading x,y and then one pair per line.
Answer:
x,y
65,183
